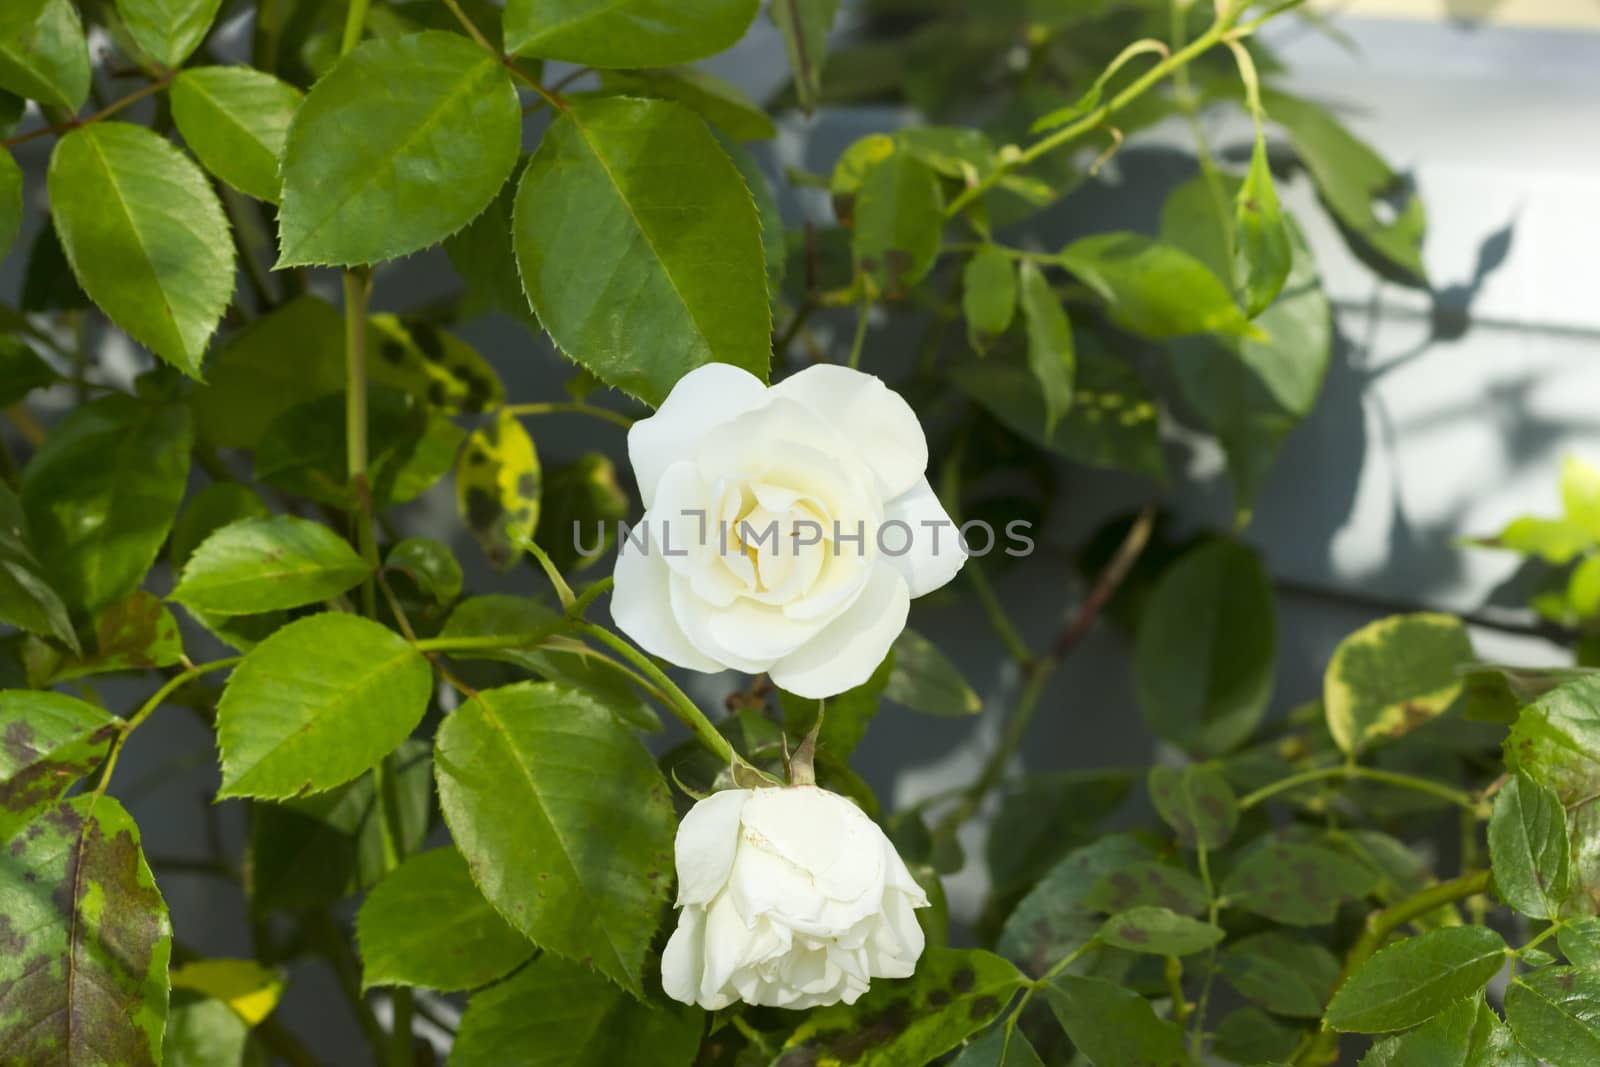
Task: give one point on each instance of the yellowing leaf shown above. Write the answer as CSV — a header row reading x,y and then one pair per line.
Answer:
x,y
251,990
1393,675
498,488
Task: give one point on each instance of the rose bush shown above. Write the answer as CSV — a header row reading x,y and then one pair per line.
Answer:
x,y
767,526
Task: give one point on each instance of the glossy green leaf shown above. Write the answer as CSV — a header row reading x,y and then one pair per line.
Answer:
x,y
1555,1014
1059,916
1468,1033
236,121
1413,980
1555,740
427,925
316,704
1197,802
633,202
163,276
44,55
87,939
134,633
48,741
257,565
805,25
1154,289
720,103
208,511
1392,676
401,145
923,679
168,30
430,565
1283,972
1157,931
524,774
1580,942
953,994
554,1013
625,33
1296,884
1206,650
1110,1024
1528,845
1051,355
101,494
989,295
1261,235
1147,884
499,486
26,599
10,201
899,215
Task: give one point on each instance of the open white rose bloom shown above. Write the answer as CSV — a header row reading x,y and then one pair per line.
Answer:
x,y
791,898
787,528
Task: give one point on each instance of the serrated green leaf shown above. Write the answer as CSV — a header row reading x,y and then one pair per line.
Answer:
x,y
1393,675
1468,1033
1555,1014
1261,235
989,295
168,30
923,679
87,941
524,772
134,633
1147,884
1528,846
48,741
805,25
1580,942
1205,655
208,511
1051,355
499,487
236,121
1110,1024
430,564
427,925
26,599
625,33
1001,1046
10,201
1197,802
165,277
398,147
898,219
44,55
257,565
1158,931
101,493
554,1013
1296,884
1555,740
1154,289
633,202
720,103
1413,980
774,239
1283,972
316,704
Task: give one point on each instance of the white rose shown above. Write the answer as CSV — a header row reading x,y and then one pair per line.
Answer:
x,y
826,456
791,898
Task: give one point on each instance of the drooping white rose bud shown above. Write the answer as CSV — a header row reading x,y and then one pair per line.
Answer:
x,y
786,530
791,898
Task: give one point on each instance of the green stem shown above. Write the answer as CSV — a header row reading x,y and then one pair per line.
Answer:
x,y
355,22
356,294
1372,774
617,418
861,333
148,708
1003,627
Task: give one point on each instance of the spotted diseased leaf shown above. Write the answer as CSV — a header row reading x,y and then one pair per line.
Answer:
x,y
168,30
433,365
1147,884
1154,289
1529,849
899,214
1555,1014
1414,980
1197,802
398,147
525,774
1283,972
498,489
1296,884
236,122
953,994
316,704
164,276
625,33
44,55
1110,1024
1158,931
633,202
988,295
84,941
1062,913
136,633
1392,676
48,741
1261,235
26,600
258,565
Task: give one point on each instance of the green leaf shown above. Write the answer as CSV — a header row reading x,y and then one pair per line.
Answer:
x,y
554,1013
1206,650
317,703
1413,980
399,146
168,31
1353,179
1555,740
625,33
208,511
805,25
21,369
10,201
524,773
165,277
1296,884
48,741
1580,494
1051,356
1250,1035
1147,884
498,489
953,994
720,103
87,939
135,633
774,239
43,53
1528,844
923,679
1468,1033
203,1032
581,507
1555,1014
236,121
1113,1025
250,990
430,564
1154,289
1058,916
257,565
1583,588
1555,541
1197,802
427,925
101,493
989,296
484,256
899,216
1000,1046
1159,932
1261,235
1580,942
1392,676
633,202
26,600
1283,972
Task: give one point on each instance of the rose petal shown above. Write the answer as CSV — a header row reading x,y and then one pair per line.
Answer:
x,y
708,837
694,616
703,399
935,553
639,608
681,962
849,649
871,416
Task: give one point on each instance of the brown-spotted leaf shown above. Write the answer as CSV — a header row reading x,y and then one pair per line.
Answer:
x,y
47,742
